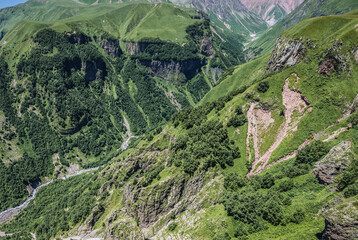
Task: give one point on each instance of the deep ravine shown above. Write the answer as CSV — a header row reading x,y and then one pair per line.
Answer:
x,y
12,212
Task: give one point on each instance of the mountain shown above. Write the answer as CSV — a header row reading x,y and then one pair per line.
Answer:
x,y
308,9
272,11
232,16
270,152
229,14
77,90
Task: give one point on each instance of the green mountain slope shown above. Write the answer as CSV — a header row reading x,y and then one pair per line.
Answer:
x,y
308,9
74,92
270,153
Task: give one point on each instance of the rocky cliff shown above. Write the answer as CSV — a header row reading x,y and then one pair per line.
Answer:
x,y
171,71
334,163
287,52
341,220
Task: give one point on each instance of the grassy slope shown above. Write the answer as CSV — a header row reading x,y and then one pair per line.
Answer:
x,y
324,94
309,9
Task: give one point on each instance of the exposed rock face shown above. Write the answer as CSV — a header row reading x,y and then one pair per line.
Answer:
x,y
334,61
341,221
228,11
260,6
148,204
124,229
164,69
111,47
334,163
133,48
79,39
207,47
287,52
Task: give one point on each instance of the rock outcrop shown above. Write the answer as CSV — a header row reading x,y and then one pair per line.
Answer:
x,y
148,204
110,46
341,221
287,52
334,163
166,69
134,48
126,228
335,60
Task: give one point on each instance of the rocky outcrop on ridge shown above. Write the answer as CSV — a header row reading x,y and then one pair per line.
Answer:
x,y
334,163
287,52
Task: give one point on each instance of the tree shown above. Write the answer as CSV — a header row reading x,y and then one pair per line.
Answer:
x,y
233,181
263,86
190,165
312,152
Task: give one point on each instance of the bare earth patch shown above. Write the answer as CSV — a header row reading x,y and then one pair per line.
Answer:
x,y
293,102
318,135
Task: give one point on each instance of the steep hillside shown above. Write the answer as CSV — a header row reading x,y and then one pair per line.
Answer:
x,y
272,11
231,16
308,9
275,158
76,91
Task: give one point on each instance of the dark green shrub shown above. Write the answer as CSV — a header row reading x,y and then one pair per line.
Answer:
x,y
296,170
190,165
312,153
351,190
286,185
298,216
263,86
233,181
237,121
172,226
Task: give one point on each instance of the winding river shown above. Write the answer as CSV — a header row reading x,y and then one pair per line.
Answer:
x,y
12,212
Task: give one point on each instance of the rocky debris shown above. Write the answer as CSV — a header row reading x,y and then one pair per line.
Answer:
x,y
148,204
341,220
334,163
293,102
326,67
287,52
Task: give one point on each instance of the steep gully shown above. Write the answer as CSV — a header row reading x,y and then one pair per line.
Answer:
x,y
12,212
125,144
293,101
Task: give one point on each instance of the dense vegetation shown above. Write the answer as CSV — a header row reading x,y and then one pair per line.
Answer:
x,y
59,206
257,202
